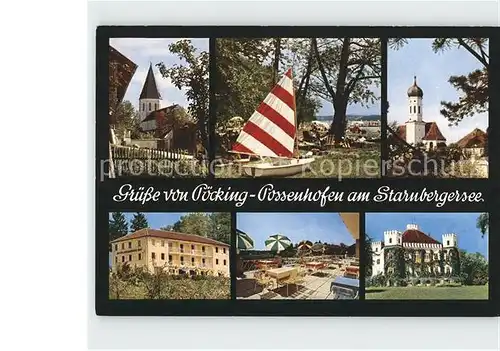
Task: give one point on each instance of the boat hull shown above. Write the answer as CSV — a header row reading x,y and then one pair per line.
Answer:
x,y
268,169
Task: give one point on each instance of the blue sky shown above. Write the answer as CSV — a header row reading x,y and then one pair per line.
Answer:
x,y
157,220
327,227
433,224
142,51
433,71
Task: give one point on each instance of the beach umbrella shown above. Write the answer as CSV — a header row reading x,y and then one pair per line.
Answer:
x,y
277,242
243,241
305,245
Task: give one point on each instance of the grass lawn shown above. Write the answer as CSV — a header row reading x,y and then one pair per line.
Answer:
x,y
340,163
477,292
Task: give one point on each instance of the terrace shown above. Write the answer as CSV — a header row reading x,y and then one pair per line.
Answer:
x,y
303,279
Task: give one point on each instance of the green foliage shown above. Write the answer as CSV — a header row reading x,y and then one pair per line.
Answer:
x,y
394,263
368,253
193,77
117,226
473,268
138,222
215,225
126,119
483,223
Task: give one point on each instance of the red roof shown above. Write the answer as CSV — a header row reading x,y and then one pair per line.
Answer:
x,y
146,232
476,138
432,132
416,236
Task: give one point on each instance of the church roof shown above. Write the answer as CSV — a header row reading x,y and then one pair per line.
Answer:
x,y
416,236
432,132
415,90
167,110
150,90
476,138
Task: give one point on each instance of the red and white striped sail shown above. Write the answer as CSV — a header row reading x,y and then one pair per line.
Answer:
x,y
271,129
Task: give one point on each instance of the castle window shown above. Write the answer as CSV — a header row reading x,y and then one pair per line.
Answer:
x,y
378,261
390,240
447,242
169,258
153,255
140,257
224,262
216,261
216,250
149,106
123,258
116,247
130,257
376,249
192,261
163,256
129,245
182,259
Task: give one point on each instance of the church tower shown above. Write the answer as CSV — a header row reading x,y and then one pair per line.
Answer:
x,y
415,127
149,100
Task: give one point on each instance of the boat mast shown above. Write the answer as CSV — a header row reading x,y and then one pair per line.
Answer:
x,y
295,144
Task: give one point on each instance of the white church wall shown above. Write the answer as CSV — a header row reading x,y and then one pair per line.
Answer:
x,y
146,106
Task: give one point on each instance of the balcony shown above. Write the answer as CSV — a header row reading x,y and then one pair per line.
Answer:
x,y
176,250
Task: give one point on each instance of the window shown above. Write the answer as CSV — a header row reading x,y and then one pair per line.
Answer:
x,y
116,259
378,261
216,250
163,243
139,257
447,242
153,255
192,261
130,257
418,109
399,241
169,245
203,260
143,106
410,109
390,240
162,256
116,247
224,250
170,258
138,243
130,245
149,106
123,246
156,106
192,247
182,259
123,258
182,247
224,262
376,249
216,261
203,248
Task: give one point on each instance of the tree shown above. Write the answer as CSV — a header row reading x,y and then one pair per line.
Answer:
x,y
473,268
126,119
193,78
118,226
472,87
348,70
193,223
368,255
139,222
220,223
483,223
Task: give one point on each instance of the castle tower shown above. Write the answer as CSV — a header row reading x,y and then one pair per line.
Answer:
x,y
149,100
415,127
450,240
393,238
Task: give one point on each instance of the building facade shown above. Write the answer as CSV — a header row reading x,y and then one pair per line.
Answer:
x,y
172,251
414,254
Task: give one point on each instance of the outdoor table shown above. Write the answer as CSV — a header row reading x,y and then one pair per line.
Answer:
x,y
315,265
281,273
344,288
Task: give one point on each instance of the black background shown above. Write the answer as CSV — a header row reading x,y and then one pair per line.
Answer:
x,y
105,189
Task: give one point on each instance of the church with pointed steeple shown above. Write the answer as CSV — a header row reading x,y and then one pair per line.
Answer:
x,y
150,97
416,130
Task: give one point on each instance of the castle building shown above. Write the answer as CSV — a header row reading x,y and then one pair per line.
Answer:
x,y
413,253
172,251
416,131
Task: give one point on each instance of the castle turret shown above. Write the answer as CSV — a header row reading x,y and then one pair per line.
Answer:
x,y
450,240
392,238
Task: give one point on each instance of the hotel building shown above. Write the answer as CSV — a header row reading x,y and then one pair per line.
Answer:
x,y
177,252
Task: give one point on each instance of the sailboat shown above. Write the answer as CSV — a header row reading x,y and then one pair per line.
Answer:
x,y
271,135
